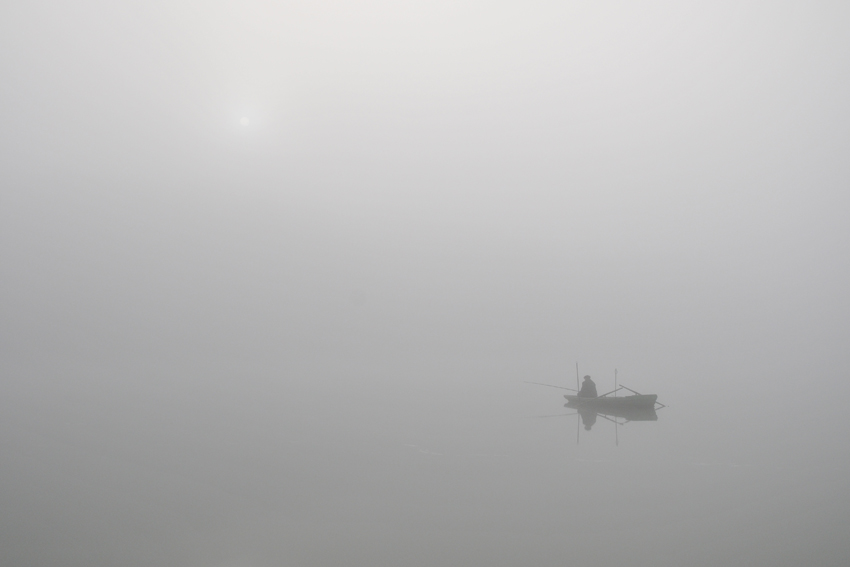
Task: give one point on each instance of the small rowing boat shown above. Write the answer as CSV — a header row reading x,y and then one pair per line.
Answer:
x,y
610,406
638,401
634,407
639,407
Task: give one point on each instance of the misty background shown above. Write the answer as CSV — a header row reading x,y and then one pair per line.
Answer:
x,y
272,275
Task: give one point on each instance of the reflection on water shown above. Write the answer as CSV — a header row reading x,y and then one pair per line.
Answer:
x,y
588,415
616,413
352,466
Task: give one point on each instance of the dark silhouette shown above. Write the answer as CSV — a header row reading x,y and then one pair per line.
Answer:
x,y
588,418
588,388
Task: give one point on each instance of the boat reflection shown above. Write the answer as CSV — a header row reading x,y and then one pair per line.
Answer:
x,y
589,415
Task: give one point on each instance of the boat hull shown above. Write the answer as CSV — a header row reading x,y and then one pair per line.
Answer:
x,y
630,408
642,401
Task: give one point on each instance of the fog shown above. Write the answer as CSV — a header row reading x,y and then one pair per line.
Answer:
x,y
273,277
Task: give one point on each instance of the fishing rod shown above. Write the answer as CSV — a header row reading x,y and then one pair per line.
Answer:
x,y
553,415
550,385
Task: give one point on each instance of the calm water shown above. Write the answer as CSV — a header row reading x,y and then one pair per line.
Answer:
x,y
423,463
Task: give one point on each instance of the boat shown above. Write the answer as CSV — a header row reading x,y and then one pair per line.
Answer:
x,y
634,407
630,408
638,401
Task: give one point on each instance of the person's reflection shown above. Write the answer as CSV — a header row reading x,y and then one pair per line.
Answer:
x,y
588,418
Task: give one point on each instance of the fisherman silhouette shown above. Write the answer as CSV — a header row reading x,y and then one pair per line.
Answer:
x,y
588,388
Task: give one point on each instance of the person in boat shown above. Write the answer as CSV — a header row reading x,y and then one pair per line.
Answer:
x,y
588,388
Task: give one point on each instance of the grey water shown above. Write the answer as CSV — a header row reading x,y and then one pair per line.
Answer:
x,y
273,279
410,462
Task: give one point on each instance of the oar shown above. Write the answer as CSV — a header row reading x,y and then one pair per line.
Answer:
x,y
550,385
608,393
658,405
